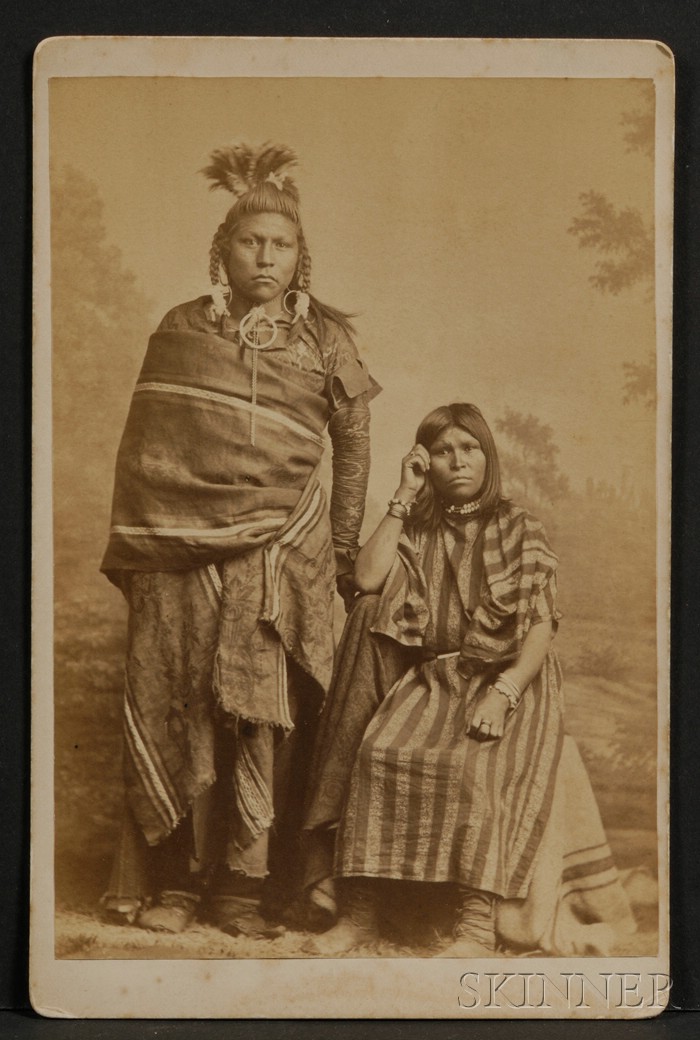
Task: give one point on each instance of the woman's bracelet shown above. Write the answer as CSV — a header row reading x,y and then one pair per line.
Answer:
x,y
509,690
401,510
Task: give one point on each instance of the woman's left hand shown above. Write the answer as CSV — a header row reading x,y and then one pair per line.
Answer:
x,y
489,717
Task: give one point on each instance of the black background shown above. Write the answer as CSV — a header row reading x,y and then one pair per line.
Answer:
x,y
675,23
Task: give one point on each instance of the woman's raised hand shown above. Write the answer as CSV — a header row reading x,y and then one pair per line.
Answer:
x,y
375,558
414,468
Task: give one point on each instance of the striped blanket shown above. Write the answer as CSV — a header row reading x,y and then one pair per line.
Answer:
x,y
223,549
190,488
426,802
576,904
216,638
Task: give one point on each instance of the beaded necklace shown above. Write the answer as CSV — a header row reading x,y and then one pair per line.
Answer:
x,y
467,509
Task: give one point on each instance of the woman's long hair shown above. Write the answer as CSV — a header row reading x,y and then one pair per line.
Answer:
x,y
267,197
427,509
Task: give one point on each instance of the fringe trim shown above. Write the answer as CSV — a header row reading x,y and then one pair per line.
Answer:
x,y
253,798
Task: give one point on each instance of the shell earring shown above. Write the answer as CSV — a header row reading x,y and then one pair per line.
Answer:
x,y
221,292
298,307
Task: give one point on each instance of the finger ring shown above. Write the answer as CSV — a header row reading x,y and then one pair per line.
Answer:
x,y
484,723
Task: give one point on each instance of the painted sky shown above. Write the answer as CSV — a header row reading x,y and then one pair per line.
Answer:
x,y
436,210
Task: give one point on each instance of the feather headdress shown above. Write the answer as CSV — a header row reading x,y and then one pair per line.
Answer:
x,y
240,168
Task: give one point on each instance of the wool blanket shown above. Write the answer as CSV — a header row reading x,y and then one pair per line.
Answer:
x,y
190,488
224,552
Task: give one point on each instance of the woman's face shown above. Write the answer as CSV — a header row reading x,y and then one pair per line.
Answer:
x,y
457,466
263,254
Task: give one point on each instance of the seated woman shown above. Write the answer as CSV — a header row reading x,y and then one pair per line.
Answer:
x,y
441,755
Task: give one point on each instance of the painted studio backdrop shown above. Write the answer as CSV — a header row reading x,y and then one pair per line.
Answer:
x,y
494,239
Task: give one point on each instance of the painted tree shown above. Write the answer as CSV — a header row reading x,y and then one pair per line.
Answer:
x,y
529,460
100,319
622,237
624,241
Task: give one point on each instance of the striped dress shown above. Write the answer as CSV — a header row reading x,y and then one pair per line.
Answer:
x,y
427,802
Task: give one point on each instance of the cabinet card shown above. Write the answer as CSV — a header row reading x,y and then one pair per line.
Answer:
x,y
475,824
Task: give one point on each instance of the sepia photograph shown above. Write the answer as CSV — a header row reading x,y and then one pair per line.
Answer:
x,y
352,397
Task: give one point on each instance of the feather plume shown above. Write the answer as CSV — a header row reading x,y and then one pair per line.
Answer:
x,y
239,168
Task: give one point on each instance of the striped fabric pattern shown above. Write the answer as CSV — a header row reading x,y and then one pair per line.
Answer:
x,y
149,766
224,552
588,868
189,487
517,567
277,601
427,802
168,699
576,904
251,611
